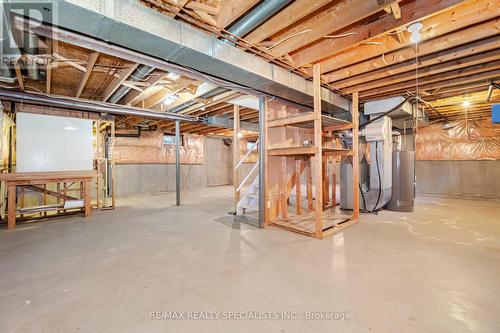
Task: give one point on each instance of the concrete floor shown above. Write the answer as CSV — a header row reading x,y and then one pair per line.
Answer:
x,y
435,270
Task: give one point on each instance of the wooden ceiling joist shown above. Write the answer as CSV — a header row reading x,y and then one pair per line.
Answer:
x,y
447,55
86,75
117,82
456,20
291,14
428,71
232,10
343,14
472,74
475,33
411,12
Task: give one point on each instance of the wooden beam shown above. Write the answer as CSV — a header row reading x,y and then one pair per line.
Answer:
x,y
470,74
318,143
202,7
233,9
396,10
19,75
453,54
86,75
291,14
206,17
427,71
475,33
455,21
117,82
411,12
337,17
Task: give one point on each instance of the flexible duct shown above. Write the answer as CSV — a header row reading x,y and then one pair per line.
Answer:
x,y
141,73
257,16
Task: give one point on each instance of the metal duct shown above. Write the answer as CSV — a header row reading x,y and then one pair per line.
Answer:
x,y
7,74
30,47
225,122
139,74
114,30
185,105
90,106
257,16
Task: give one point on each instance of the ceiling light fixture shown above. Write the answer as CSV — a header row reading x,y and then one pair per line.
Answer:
x,y
170,99
173,76
466,104
415,28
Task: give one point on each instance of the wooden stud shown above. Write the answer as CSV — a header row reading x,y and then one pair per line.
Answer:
x,y
19,75
86,75
309,185
298,194
318,170
11,206
87,198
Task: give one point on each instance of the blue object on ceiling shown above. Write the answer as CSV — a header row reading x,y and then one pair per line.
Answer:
x,y
495,114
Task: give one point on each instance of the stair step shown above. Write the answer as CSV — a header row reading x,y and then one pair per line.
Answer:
x,y
248,206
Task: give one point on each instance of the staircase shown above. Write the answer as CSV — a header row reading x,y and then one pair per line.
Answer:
x,y
248,202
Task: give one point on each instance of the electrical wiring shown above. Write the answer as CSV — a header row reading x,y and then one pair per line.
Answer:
x,y
289,37
341,36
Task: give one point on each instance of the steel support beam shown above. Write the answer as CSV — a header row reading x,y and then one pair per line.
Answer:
x,y
177,163
262,161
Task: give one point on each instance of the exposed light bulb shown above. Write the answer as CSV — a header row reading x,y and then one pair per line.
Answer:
x,y
415,37
173,76
466,104
240,135
170,99
415,28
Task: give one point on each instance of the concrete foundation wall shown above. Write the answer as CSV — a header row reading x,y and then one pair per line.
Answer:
x,y
467,178
140,178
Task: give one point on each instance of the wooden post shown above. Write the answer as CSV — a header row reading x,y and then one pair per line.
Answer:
x,y
298,193
309,185
318,169
355,155
21,199
11,206
44,199
86,186
236,155
284,188
326,183
58,198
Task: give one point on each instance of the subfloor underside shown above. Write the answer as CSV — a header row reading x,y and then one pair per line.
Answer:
x,y
435,270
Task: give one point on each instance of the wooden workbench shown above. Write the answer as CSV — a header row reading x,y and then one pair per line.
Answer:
x,y
12,180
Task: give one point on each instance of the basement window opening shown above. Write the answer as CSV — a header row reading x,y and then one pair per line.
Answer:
x,y
169,140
